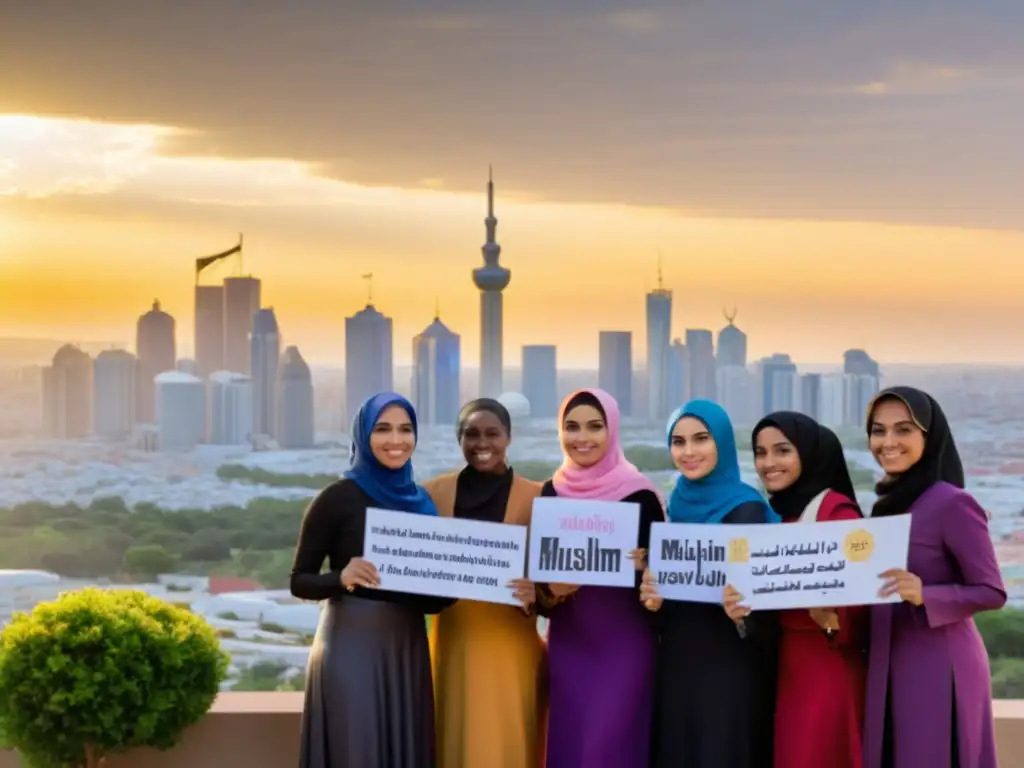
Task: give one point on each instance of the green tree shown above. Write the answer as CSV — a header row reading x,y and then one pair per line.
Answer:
x,y
97,672
149,561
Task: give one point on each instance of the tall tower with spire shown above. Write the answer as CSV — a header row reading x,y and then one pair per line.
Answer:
x,y
659,348
491,279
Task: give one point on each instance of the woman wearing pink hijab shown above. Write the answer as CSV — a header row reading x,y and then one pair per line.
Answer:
x,y
601,641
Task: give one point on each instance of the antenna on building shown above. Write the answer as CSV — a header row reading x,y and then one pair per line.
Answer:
x,y
437,307
368,277
241,257
661,282
730,317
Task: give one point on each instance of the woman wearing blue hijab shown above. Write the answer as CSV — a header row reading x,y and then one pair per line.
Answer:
x,y
369,694
714,702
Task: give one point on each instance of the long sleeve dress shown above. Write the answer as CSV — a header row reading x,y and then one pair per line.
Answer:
x,y
490,674
369,699
715,694
929,692
601,645
820,704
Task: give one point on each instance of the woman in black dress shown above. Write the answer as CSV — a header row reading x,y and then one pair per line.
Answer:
x,y
715,698
369,696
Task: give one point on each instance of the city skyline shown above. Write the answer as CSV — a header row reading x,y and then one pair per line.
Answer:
x,y
871,192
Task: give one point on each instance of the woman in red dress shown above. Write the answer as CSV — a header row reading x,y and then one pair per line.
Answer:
x,y
822,660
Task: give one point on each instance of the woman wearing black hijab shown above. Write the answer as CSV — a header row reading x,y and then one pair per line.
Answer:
x,y
822,669
489,660
929,692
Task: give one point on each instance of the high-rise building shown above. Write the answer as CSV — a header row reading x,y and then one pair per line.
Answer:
x,y
732,344
491,279
180,411
780,389
659,337
295,402
737,394
155,349
114,381
540,380
832,400
369,359
265,344
229,405
860,363
700,353
436,361
209,329
241,300
810,395
859,389
67,394
615,367
678,374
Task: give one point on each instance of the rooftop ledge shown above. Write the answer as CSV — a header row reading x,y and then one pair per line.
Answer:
x,y
261,730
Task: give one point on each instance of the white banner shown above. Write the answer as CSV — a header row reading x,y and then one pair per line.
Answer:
x,y
817,565
583,542
689,560
445,556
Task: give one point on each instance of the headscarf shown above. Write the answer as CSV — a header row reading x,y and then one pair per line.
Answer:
x,y
614,477
482,495
712,497
822,462
940,461
393,489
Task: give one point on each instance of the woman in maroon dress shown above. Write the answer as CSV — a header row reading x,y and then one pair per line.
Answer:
x,y
929,692
822,664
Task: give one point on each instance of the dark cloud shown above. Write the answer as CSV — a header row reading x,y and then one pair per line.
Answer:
x,y
795,108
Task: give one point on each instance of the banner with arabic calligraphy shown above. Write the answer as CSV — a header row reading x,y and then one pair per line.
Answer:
x,y
819,565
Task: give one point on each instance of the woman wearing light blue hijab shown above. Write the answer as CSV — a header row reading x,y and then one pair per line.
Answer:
x,y
369,694
714,703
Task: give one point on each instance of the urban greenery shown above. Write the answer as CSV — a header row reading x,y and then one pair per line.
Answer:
x,y
100,672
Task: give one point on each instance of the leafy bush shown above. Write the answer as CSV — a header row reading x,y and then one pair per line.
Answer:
x,y
96,672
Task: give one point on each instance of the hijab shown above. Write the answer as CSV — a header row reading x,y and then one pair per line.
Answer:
x,y
822,462
940,461
483,495
712,497
393,489
614,477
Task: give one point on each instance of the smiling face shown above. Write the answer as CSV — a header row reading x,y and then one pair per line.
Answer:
x,y
585,435
895,440
693,449
776,460
484,442
392,440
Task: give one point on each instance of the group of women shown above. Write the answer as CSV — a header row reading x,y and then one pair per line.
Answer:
x,y
626,679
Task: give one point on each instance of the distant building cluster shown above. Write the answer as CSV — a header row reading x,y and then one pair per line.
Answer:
x,y
240,389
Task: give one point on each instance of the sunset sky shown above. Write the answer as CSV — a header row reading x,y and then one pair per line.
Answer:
x,y
846,174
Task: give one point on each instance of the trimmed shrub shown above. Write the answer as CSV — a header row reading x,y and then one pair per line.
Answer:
x,y
98,672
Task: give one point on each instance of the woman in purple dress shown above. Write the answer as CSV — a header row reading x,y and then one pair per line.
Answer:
x,y
601,641
929,694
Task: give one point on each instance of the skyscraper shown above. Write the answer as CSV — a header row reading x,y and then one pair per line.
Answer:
x,y
732,344
700,355
780,390
265,345
540,380
615,367
209,328
114,381
436,360
678,374
67,394
241,300
491,279
659,336
369,361
229,408
295,402
155,349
